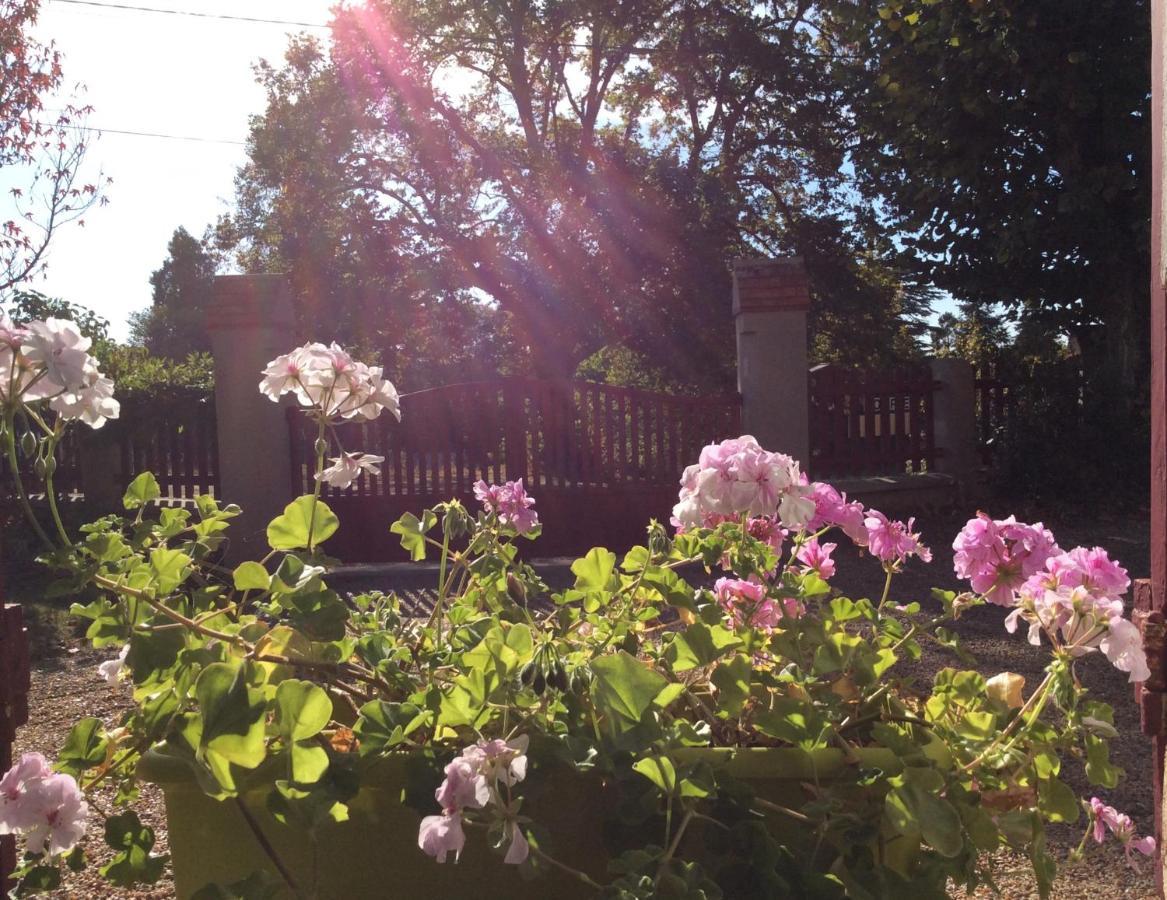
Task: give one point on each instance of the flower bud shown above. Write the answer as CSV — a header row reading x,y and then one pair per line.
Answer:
x,y
1006,688
50,465
39,467
515,590
558,677
321,446
539,683
28,444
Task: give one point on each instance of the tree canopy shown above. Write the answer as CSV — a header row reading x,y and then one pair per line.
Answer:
x,y
174,324
576,176
1008,143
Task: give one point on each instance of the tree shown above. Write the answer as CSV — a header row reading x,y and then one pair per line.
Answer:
x,y
174,325
41,150
1008,142
586,171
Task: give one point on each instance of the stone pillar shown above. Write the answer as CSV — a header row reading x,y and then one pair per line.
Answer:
x,y
250,323
770,301
954,420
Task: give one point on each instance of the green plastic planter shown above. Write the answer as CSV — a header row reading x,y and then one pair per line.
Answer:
x,y
375,853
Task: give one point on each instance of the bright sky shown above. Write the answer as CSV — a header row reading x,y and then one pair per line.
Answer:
x,y
163,74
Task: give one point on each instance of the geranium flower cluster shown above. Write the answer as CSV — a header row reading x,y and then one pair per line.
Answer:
x,y
328,380
479,779
748,605
1074,598
997,556
49,361
1106,818
44,806
510,502
737,477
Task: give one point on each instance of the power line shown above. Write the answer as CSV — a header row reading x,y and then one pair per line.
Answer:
x,y
148,134
185,12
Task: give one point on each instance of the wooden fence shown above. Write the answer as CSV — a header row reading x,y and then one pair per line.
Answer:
x,y
870,422
177,444
599,459
995,401
176,441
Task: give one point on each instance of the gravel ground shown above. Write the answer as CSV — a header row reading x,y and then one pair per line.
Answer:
x,y
65,686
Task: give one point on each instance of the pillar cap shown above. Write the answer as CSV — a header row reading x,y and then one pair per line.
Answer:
x,y
241,301
766,285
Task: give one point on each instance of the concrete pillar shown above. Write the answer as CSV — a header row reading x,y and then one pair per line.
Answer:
x,y
954,420
770,302
250,323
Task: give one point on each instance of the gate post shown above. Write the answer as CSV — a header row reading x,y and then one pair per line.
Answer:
x,y
770,301
954,418
250,323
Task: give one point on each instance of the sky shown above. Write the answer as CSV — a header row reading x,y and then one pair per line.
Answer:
x,y
162,74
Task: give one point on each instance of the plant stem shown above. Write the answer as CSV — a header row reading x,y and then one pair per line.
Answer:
x,y
21,493
886,589
574,873
1039,696
119,588
676,842
51,491
784,810
317,483
268,849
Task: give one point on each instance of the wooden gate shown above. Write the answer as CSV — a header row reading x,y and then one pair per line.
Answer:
x,y
599,460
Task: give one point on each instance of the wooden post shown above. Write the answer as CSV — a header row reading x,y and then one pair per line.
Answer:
x,y
1151,594
14,684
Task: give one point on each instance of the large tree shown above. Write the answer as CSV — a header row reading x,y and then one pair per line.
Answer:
x,y
41,149
581,173
174,324
1008,142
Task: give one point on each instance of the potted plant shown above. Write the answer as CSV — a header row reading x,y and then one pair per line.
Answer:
x,y
702,717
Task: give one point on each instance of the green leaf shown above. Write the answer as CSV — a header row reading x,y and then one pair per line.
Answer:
x,y
309,762
790,719
624,687
1099,769
413,530
133,863
231,716
141,491
699,645
1057,802
382,725
594,571
302,709
84,748
251,576
732,680
169,569
300,527
914,804
39,879
660,771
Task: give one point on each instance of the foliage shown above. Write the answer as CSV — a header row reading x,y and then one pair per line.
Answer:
x,y
588,170
633,676
145,378
1009,143
41,149
26,306
174,326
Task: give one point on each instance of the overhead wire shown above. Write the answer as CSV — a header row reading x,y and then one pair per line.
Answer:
x,y
254,20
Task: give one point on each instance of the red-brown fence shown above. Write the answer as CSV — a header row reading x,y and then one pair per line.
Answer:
x,y
994,405
870,422
14,685
177,443
600,460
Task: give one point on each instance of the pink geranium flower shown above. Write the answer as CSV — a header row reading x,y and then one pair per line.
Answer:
x,y
442,835
816,557
509,502
892,542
